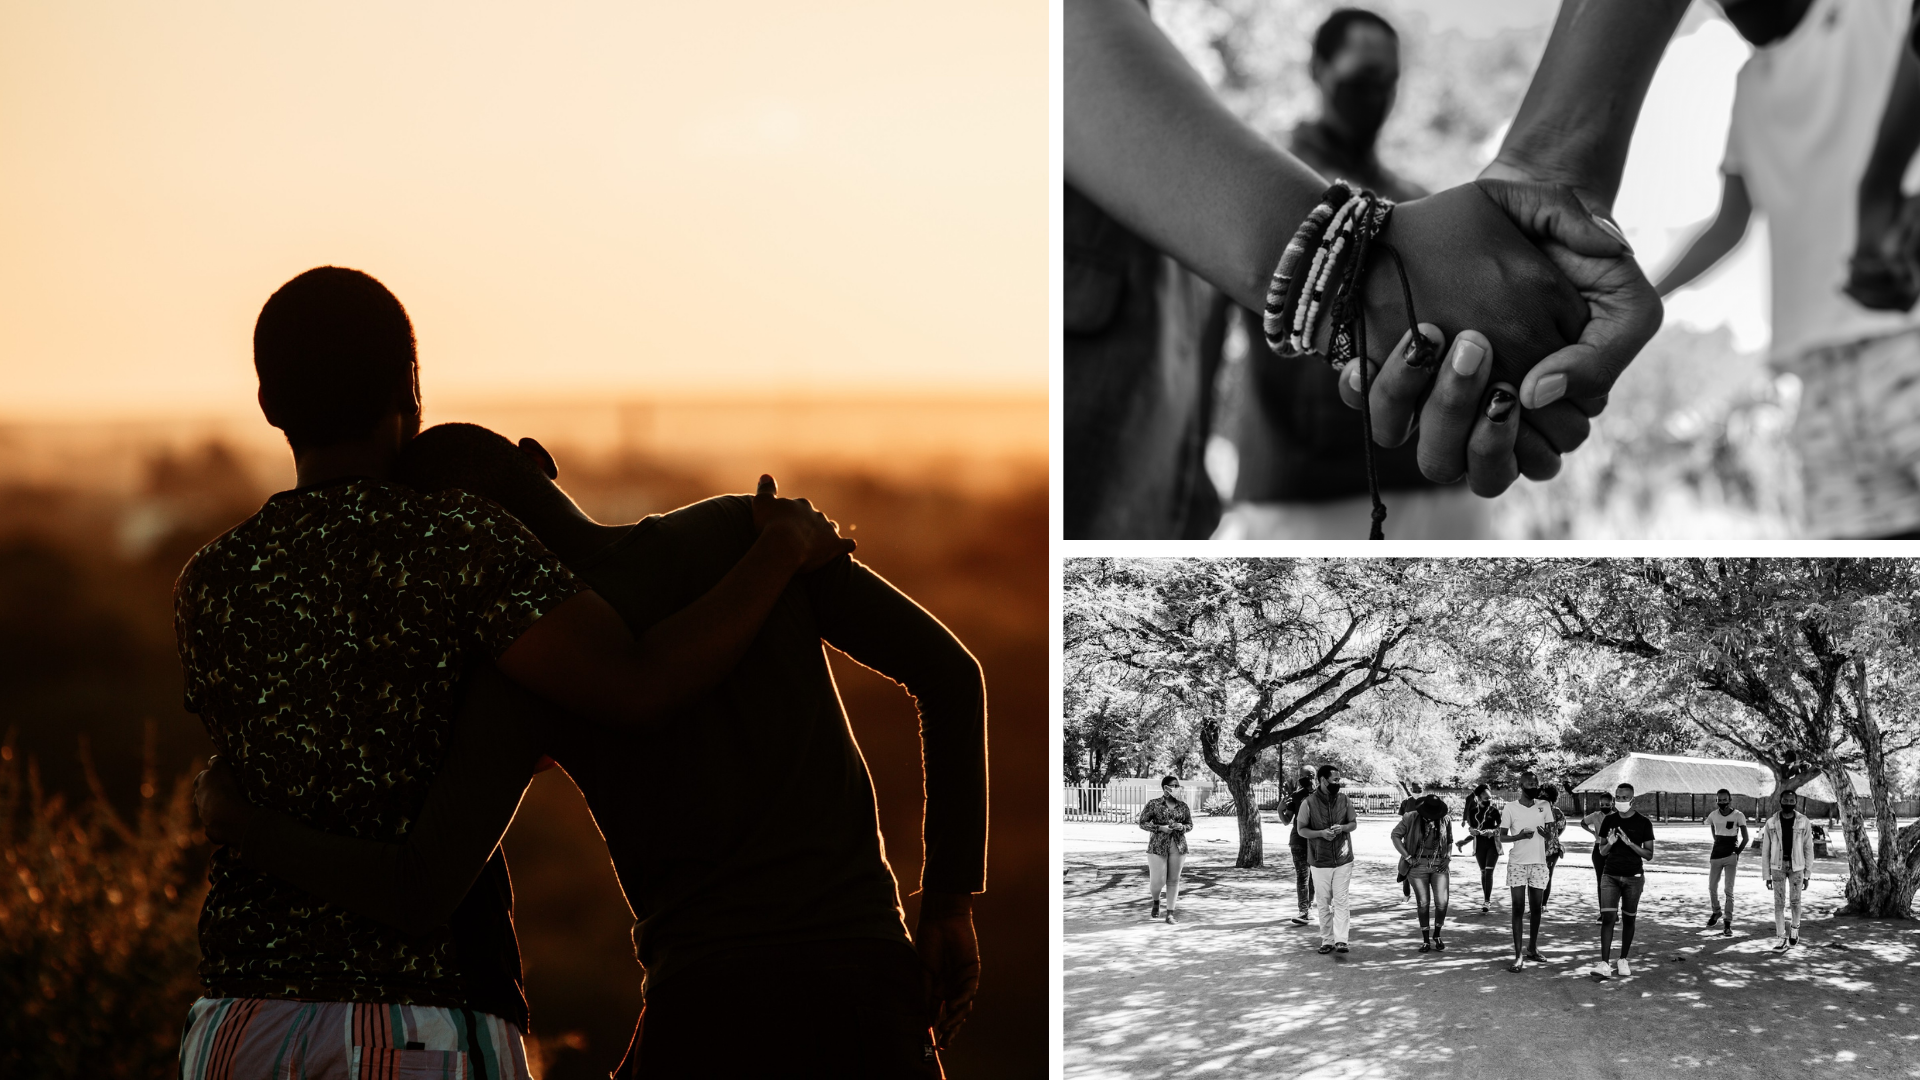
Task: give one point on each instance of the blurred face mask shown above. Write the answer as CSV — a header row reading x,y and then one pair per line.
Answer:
x,y
1362,101
1763,22
1622,805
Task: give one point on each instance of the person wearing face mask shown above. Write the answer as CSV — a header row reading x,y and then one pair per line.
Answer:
x,y
1626,842
1166,820
1786,858
1724,822
1301,473
1524,823
1326,818
1424,838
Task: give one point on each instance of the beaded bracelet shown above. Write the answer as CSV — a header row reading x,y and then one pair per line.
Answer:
x,y
1340,232
1276,319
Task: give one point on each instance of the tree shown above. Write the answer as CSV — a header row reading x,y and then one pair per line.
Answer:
x,y
1819,655
1255,652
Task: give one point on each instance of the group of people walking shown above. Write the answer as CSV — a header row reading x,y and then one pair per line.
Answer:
x,y
1528,829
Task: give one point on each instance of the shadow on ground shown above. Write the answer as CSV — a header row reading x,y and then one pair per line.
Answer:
x,y
1233,990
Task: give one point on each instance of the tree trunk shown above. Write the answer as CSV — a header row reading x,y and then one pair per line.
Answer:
x,y
1240,783
1880,882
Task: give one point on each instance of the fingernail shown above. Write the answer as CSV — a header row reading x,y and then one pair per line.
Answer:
x,y
1401,345
1613,230
1549,389
1500,405
1467,355
1353,374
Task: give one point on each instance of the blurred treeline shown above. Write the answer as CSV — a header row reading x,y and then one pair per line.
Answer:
x,y
105,866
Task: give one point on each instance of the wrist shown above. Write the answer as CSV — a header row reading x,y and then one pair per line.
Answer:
x,y
945,905
784,545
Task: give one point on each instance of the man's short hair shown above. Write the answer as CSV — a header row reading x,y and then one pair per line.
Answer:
x,y
1723,791
1325,771
1332,35
1618,788
1169,779
478,461
335,353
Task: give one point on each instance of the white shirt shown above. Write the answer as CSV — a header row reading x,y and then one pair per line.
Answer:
x,y
1514,818
1805,113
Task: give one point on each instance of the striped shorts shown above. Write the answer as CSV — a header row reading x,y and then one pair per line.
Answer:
x,y
258,1038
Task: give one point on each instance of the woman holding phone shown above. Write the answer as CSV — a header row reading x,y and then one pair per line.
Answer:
x,y
1166,821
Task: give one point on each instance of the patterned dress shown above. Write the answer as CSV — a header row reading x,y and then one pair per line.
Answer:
x,y
1166,810
323,640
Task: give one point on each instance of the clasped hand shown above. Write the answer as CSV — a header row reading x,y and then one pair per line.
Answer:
x,y
815,537
1544,306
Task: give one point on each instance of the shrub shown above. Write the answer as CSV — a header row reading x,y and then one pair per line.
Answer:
x,y
98,921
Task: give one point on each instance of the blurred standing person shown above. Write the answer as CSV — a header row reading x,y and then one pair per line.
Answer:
x,y
1326,818
1301,474
1482,820
1806,110
1424,839
1524,823
1297,845
1167,822
1786,859
1729,830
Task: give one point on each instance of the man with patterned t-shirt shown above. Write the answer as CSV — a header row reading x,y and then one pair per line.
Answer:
x,y
324,640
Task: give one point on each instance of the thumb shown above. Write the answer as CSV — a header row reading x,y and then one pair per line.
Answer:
x,y
1553,212
767,489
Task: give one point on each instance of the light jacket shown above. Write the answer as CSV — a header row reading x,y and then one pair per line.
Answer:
x,y
1773,855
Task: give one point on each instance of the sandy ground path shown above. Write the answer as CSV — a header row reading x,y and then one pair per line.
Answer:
x,y
1234,991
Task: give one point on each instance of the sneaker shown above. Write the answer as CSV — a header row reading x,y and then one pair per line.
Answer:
x,y
1426,945
1780,946
1297,920
1339,946
1792,942
1156,910
1726,931
1534,955
1171,921
1518,965
1601,970
1438,945
1713,919
1486,909
1621,967
1325,948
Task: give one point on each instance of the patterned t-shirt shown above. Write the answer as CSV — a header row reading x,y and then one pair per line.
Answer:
x,y
323,640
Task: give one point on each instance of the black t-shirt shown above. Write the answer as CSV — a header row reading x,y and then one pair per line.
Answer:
x,y
1623,860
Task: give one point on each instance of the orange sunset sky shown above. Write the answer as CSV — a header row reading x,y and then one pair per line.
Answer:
x,y
571,199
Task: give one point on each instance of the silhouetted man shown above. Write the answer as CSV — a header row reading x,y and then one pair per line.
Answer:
x,y
323,641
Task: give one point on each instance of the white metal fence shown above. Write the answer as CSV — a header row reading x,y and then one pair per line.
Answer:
x,y
1120,801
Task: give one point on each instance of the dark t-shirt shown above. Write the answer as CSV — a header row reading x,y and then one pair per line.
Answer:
x,y
1622,860
322,641
801,860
